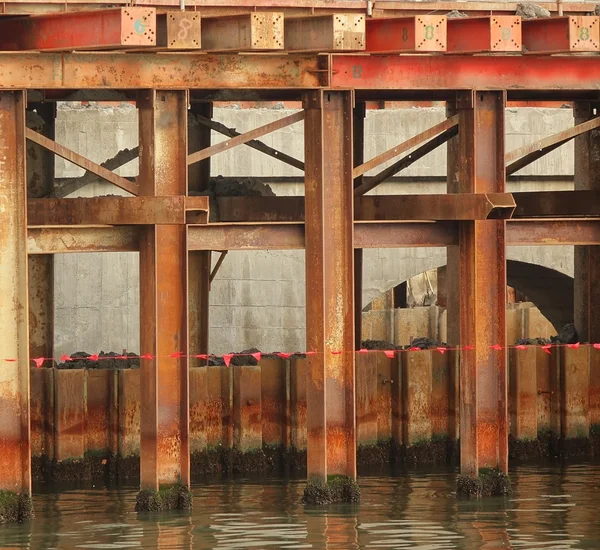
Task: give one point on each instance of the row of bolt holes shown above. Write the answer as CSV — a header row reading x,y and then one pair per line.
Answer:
x,y
144,19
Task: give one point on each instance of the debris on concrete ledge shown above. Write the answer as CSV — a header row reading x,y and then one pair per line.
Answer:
x,y
528,10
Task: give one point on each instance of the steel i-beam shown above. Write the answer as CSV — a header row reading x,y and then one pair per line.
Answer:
x,y
477,159
329,284
15,449
165,457
587,258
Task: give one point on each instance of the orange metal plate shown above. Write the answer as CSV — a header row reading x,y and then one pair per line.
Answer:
x,y
561,34
421,33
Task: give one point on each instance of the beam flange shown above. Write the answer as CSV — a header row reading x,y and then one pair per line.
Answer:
x,y
418,33
561,34
322,33
62,240
486,34
257,31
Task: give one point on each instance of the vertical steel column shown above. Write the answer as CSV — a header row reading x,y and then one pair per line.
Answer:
x,y
15,450
482,287
587,258
199,261
329,284
40,183
165,457
359,114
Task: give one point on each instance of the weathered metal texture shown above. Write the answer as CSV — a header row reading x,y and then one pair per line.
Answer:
x,y
41,306
334,32
246,237
298,380
114,210
453,394
168,71
247,408
129,412
15,466
359,114
594,410
419,33
366,398
547,390
328,156
258,31
274,397
559,232
416,397
397,400
42,412
442,389
165,456
575,397
463,72
492,33
561,34
385,382
404,234
80,30
482,287
101,411
178,30
70,405
60,240
198,408
81,161
587,259
557,204
523,393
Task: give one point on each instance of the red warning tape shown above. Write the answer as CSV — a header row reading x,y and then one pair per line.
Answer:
x,y
227,357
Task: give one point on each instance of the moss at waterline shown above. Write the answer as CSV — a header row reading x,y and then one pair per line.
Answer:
x,y
337,489
177,497
15,507
490,482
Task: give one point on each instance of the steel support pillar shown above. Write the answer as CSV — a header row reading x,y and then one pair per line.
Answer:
x,y
165,456
15,448
199,261
587,258
359,114
329,288
478,158
40,183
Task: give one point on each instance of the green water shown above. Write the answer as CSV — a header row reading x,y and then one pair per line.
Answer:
x,y
550,508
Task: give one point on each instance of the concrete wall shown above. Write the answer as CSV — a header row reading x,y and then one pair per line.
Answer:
x,y
258,298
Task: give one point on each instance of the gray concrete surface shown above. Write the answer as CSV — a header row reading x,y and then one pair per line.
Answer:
x,y
257,299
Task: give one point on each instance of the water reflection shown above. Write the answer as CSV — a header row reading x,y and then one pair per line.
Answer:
x,y
550,508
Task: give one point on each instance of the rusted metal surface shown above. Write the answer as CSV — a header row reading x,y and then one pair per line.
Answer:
x,y
247,408
80,30
258,31
463,72
334,32
441,394
492,33
587,259
198,409
274,383
166,71
298,381
555,232
420,33
60,240
545,391
561,34
479,167
244,138
385,382
100,410
329,280
594,410
246,237
81,161
70,406
404,146
15,467
404,234
178,30
557,204
523,393
165,456
359,114
416,397
113,210
574,383
366,398
41,305
129,412
42,412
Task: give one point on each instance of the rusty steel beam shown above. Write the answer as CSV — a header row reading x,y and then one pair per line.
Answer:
x,y
81,161
178,30
492,33
81,71
245,138
359,114
464,72
259,236
215,269
404,146
15,455
555,232
80,30
557,204
331,422
419,33
61,240
322,33
561,34
165,456
248,32
587,258
519,158
405,234
479,168
114,210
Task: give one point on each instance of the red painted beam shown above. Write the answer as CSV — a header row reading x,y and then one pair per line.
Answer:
x,y
84,30
420,33
562,34
497,33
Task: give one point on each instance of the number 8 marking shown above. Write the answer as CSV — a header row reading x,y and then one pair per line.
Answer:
x,y
584,33
184,26
428,32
